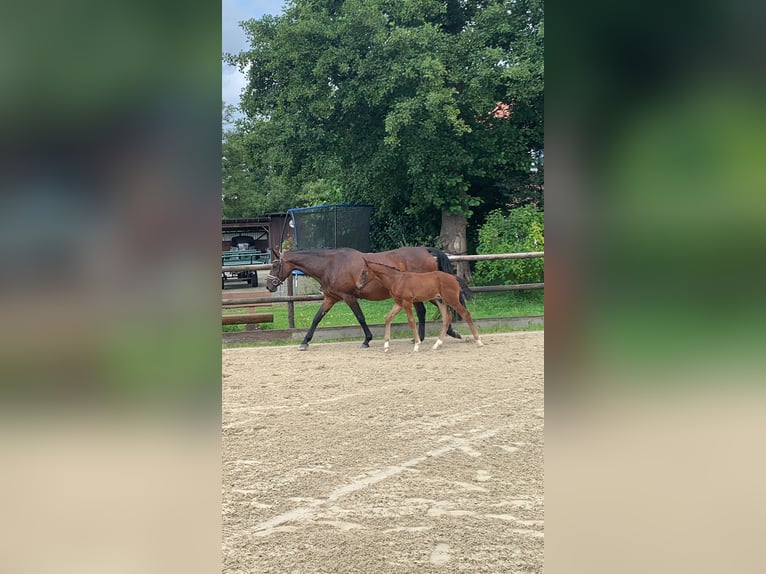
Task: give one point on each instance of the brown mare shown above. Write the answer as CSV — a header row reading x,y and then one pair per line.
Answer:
x,y
407,288
337,271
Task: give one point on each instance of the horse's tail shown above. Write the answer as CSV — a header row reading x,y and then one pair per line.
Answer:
x,y
445,265
442,261
465,291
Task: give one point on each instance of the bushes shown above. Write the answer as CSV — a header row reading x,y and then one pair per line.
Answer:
x,y
520,230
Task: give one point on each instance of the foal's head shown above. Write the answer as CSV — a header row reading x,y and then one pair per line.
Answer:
x,y
366,275
363,278
373,270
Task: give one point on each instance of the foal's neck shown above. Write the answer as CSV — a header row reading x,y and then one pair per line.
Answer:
x,y
387,276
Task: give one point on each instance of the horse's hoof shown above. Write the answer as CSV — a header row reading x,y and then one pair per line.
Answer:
x,y
479,343
364,346
416,349
303,347
437,344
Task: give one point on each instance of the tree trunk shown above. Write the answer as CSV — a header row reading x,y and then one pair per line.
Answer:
x,y
454,242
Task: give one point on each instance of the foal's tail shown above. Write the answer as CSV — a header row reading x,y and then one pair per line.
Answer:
x,y
444,264
465,291
442,261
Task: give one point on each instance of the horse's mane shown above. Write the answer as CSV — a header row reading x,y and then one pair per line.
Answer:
x,y
367,261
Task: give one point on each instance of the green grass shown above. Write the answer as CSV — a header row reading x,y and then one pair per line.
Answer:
x,y
486,305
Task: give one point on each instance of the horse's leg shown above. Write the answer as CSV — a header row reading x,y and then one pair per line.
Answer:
x,y
446,321
391,314
450,331
326,305
353,302
408,309
420,309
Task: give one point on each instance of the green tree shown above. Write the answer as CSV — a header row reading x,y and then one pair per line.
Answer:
x,y
425,109
519,230
250,184
239,184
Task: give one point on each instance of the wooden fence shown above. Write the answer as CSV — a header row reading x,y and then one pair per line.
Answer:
x,y
290,299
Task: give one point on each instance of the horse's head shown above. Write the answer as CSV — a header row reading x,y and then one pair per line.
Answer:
x,y
278,273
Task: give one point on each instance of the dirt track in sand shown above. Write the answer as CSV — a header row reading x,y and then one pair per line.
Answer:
x,y
342,460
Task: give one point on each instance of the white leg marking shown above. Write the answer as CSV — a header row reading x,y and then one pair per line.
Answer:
x,y
385,347
417,348
437,344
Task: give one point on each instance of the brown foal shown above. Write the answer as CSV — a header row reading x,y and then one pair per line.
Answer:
x,y
406,288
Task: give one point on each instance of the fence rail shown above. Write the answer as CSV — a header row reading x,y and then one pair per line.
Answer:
x,y
493,256
249,319
299,298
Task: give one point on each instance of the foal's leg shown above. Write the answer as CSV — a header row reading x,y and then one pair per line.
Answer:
x,y
446,320
391,314
422,326
466,315
450,331
326,305
408,309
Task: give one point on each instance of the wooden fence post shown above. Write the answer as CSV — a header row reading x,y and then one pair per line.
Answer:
x,y
290,304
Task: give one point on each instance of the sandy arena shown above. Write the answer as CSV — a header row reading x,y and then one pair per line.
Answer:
x,y
342,460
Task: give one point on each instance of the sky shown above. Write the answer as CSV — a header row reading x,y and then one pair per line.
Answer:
x,y
234,40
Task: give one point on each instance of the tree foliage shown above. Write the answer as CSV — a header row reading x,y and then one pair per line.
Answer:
x,y
393,103
238,179
519,230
